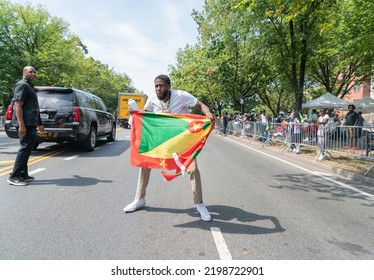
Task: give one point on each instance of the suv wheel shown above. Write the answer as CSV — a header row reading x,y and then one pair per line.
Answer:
x,y
89,143
112,135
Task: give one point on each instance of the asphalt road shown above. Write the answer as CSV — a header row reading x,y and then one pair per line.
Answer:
x,y
265,206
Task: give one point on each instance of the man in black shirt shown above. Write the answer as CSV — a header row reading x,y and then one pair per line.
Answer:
x,y
225,122
351,120
26,118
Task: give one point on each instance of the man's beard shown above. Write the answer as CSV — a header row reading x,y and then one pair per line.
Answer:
x,y
164,95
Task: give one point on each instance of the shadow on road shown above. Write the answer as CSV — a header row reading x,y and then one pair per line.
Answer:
x,y
228,219
77,181
330,188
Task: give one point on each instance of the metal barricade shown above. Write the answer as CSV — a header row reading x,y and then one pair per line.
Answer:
x,y
350,140
353,141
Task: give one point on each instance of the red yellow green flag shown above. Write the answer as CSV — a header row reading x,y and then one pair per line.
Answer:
x,y
167,141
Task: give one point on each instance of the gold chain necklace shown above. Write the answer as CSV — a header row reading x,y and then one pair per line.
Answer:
x,y
166,107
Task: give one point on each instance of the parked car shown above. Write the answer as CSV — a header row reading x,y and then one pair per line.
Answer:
x,y
69,114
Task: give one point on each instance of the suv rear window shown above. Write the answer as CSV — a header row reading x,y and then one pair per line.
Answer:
x,y
55,100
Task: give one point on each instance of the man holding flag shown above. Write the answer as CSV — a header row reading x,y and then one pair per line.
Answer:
x,y
169,102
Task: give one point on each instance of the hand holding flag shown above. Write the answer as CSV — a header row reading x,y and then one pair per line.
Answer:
x,y
168,141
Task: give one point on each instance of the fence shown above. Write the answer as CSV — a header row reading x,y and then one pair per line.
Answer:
x,y
355,141
2,121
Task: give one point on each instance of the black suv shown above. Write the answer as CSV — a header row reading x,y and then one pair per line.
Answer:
x,y
69,114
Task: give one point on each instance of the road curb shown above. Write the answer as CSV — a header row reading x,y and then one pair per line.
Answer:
x,y
333,169
351,175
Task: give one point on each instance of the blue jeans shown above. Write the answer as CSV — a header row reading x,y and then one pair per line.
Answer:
x,y
26,145
263,133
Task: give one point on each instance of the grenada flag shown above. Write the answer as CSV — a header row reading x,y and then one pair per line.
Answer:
x,y
167,141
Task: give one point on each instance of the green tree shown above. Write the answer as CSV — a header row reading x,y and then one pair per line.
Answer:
x,y
288,28
194,72
343,56
227,62
99,79
30,36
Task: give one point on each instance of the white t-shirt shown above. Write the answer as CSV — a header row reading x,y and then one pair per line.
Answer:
x,y
322,119
321,127
179,103
296,126
264,119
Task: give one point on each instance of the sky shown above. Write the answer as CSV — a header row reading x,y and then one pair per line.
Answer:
x,y
137,37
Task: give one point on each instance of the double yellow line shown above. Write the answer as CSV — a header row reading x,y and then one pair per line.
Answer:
x,y
6,170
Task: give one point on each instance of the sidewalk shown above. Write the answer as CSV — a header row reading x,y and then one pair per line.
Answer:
x,y
329,164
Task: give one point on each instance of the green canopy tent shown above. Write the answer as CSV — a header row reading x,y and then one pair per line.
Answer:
x,y
326,101
365,105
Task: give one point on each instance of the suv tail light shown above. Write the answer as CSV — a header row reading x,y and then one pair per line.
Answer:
x,y
76,114
9,112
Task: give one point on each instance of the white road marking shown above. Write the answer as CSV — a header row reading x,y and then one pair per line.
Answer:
x,y
72,157
325,176
223,251
319,174
37,171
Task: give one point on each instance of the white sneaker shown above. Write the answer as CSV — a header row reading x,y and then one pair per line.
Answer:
x,y
204,213
135,205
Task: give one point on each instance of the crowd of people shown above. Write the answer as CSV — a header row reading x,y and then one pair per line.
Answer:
x,y
304,126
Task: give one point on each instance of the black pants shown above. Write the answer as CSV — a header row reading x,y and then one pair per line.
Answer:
x,y
26,145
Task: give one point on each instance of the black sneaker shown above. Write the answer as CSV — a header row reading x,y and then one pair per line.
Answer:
x,y
15,181
27,178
